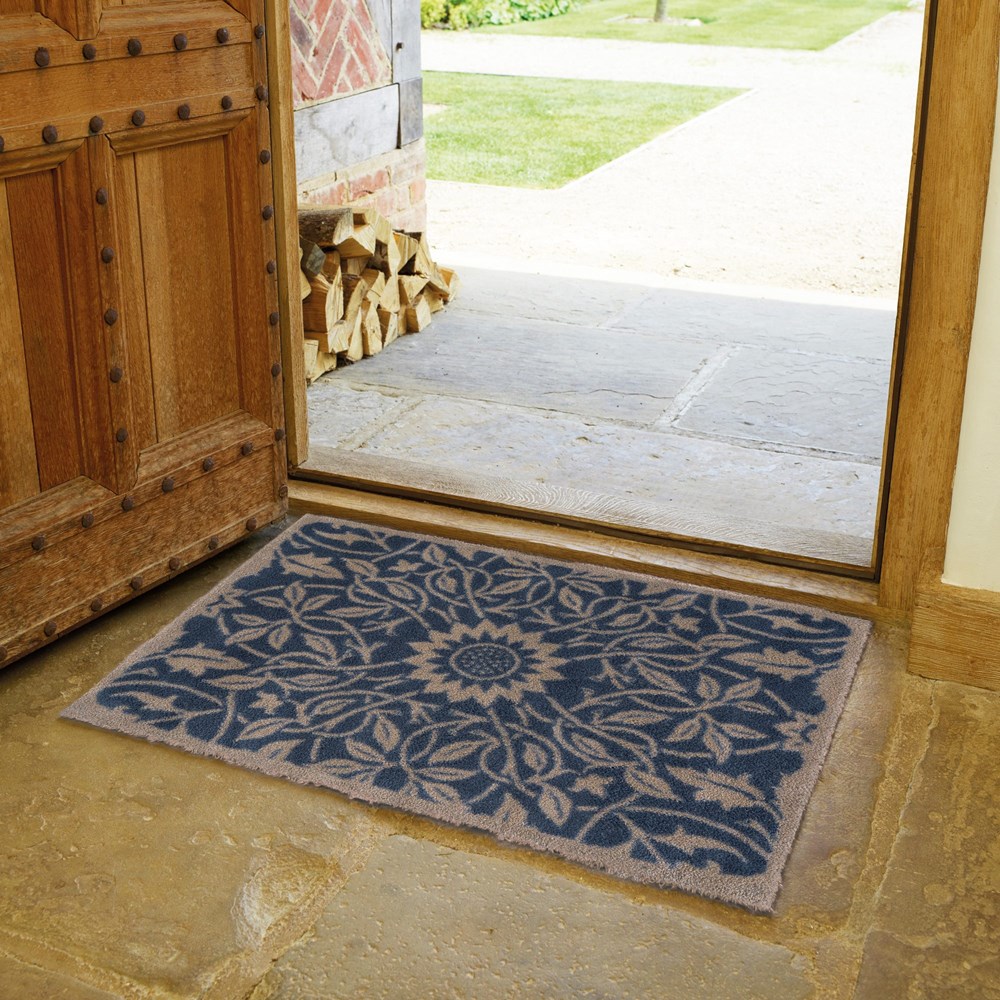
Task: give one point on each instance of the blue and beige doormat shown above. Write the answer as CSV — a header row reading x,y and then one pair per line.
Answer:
x,y
666,734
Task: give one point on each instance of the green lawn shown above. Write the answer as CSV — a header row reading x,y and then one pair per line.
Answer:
x,y
533,132
779,24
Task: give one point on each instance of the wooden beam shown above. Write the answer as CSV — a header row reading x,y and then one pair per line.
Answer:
x,y
280,106
588,510
740,575
953,636
954,146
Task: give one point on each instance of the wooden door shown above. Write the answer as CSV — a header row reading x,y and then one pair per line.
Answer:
x,y
140,383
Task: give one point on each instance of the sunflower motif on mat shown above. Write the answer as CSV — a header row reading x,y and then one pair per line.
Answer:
x,y
485,662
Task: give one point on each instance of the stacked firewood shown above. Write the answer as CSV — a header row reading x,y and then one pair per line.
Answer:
x,y
363,285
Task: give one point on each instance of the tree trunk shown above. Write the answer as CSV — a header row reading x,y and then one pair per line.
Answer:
x,y
661,11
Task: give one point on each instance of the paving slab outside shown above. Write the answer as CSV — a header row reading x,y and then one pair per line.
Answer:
x,y
746,420
133,870
694,339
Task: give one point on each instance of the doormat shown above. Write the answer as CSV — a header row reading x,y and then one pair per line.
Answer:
x,y
666,734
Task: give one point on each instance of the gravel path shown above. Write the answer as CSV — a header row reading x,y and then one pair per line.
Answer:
x,y
799,183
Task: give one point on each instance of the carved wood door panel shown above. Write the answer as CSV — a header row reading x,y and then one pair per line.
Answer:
x,y
140,385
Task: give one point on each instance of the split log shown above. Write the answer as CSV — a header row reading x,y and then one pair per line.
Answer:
x,y
410,288
407,248
334,340
453,283
436,280
418,316
422,258
310,349
312,259
371,330
424,264
322,310
389,298
434,299
360,243
340,338
324,226
389,321
387,257
376,284
379,223
356,349
354,265
336,280
355,290
325,362
331,266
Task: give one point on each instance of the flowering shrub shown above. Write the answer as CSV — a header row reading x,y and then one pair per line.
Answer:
x,y
459,14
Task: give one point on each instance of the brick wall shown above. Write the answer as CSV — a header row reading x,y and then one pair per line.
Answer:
x,y
393,182
359,105
336,50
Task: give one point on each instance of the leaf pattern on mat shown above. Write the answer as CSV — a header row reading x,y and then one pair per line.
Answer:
x,y
622,714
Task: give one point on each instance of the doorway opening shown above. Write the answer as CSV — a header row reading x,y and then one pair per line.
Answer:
x,y
692,342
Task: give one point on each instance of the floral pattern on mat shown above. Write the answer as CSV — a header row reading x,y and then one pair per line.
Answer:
x,y
627,718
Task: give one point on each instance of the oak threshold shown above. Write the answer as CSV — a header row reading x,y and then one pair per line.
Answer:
x,y
642,519
743,575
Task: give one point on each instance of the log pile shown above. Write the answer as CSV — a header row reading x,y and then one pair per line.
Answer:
x,y
363,284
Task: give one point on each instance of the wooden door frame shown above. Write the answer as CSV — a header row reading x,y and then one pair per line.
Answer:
x,y
953,145
281,106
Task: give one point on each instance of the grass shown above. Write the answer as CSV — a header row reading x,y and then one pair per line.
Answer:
x,y
779,24
534,132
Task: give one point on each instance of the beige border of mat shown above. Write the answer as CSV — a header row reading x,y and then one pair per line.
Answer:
x,y
756,892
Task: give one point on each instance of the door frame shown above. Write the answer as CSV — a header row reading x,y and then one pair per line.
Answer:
x,y
953,143
953,148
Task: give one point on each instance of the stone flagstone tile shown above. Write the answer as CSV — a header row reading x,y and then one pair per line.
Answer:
x,y
544,297
814,401
128,862
26,981
832,845
425,922
936,931
775,322
338,411
550,366
705,483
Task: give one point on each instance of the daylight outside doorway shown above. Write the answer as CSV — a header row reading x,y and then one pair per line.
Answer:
x,y
680,263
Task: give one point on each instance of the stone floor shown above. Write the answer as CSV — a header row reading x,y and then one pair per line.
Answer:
x,y
753,419
136,871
